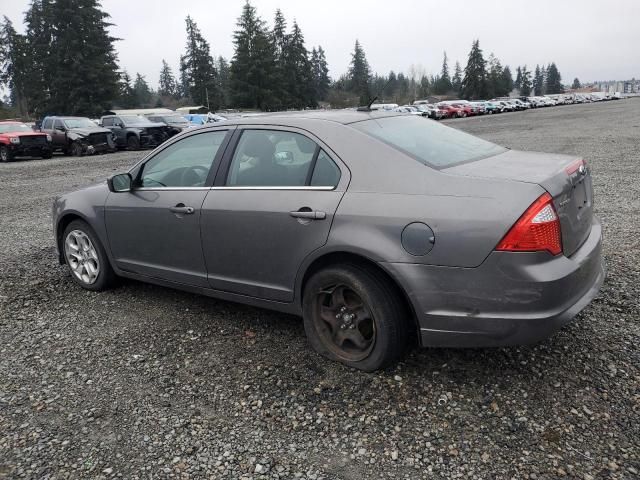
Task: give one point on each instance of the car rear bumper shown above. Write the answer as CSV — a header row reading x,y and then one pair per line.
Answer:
x,y
511,299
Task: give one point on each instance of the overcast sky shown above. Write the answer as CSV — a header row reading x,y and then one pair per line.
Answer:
x,y
588,39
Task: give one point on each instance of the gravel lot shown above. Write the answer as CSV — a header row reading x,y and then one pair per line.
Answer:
x,y
146,382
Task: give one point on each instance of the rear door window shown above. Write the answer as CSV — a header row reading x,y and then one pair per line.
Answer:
x,y
271,158
107,122
326,173
48,124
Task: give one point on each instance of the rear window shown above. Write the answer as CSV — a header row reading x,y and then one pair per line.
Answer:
x,y
427,141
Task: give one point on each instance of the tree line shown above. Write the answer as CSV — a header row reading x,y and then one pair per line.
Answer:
x,y
66,63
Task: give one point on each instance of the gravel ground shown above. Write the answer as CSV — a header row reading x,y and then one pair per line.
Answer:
x,y
146,382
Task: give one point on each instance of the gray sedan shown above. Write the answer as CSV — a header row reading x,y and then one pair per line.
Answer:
x,y
381,230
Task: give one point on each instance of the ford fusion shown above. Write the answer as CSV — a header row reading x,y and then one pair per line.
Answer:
x,y
379,229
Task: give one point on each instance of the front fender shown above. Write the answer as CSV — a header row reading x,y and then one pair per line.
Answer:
x,y
88,205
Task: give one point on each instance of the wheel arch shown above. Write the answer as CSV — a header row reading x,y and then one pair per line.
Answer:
x,y
63,223
359,259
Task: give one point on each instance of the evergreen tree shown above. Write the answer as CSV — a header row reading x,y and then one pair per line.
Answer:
x,y
518,83
322,79
298,80
525,82
554,80
456,81
168,86
506,80
142,92
72,61
424,88
13,68
474,83
494,81
279,39
359,75
126,97
576,84
223,81
252,67
197,69
443,84
391,85
538,82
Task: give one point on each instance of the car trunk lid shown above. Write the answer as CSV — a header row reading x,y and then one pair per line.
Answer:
x,y
567,179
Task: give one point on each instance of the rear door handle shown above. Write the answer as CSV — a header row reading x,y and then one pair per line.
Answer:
x,y
180,208
309,214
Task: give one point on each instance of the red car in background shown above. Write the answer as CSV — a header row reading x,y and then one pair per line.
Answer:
x,y
467,109
451,111
17,139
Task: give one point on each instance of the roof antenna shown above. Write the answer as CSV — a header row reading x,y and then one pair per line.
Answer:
x,y
368,107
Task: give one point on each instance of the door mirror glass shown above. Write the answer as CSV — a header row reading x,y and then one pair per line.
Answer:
x,y
120,183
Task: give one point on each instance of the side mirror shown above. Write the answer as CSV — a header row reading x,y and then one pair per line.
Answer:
x,y
120,183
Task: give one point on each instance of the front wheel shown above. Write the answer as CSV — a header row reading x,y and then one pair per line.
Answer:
x,y
133,142
76,149
352,315
5,154
86,257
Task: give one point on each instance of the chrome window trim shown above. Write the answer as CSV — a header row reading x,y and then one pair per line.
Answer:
x,y
243,187
237,187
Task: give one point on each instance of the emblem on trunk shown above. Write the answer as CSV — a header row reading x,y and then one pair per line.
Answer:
x,y
582,169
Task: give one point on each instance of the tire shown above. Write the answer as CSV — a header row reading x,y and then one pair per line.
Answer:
x,y
91,260
133,143
46,155
75,149
335,297
5,154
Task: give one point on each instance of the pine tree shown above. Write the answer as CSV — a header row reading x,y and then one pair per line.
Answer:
x,y
525,81
494,78
443,84
223,81
456,81
424,88
506,80
13,68
126,96
518,83
167,86
474,83
322,78
252,66
359,75
576,84
554,80
298,80
279,39
72,61
538,82
197,69
142,91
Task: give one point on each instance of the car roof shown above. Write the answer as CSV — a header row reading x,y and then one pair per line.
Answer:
x,y
344,117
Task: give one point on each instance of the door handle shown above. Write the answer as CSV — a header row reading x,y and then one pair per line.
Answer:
x,y
309,214
180,208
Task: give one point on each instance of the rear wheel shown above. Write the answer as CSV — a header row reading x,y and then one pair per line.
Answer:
x,y
47,155
133,142
5,154
85,255
352,315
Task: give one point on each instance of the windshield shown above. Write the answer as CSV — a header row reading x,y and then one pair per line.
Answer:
x,y
15,127
427,141
134,120
79,123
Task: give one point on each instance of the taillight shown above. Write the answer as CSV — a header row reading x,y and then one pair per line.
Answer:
x,y
538,229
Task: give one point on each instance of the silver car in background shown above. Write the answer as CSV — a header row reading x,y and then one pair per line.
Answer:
x,y
378,228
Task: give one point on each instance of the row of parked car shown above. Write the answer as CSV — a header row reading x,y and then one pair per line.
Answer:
x,y
465,108
82,136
